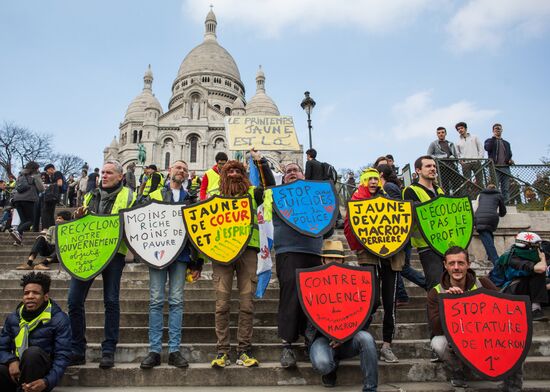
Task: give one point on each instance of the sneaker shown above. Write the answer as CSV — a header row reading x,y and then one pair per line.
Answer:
x,y
387,355
538,315
24,266
177,360
77,360
288,358
107,361
150,361
247,360
459,383
41,267
221,361
16,236
435,358
329,380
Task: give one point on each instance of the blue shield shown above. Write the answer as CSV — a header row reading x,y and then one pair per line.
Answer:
x,y
309,207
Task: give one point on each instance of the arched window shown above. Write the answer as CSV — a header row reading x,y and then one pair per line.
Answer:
x,y
217,107
135,138
228,111
167,161
193,143
168,141
140,135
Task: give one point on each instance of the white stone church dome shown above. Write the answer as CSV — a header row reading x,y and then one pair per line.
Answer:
x,y
209,56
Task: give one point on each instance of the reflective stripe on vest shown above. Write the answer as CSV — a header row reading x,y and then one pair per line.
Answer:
x,y
255,238
26,327
213,187
417,240
125,199
440,289
149,182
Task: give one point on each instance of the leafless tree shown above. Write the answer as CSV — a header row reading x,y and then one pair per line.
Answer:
x,y
69,164
20,145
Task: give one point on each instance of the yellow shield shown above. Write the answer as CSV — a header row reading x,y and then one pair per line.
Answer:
x,y
382,225
220,227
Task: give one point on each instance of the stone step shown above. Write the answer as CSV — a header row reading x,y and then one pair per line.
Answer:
x,y
270,352
267,374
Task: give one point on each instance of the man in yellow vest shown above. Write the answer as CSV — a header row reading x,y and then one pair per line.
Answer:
x,y
421,191
234,182
110,197
154,181
35,343
210,183
457,278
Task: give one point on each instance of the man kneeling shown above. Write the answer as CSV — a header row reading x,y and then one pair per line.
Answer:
x,y
35,343
325,354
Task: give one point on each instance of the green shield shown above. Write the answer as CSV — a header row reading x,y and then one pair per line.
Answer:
x,y
446,221
86,246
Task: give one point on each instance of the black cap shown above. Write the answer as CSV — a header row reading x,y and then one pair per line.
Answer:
x,y
152,166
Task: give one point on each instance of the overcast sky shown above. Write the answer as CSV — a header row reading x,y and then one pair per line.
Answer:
x,y
385,73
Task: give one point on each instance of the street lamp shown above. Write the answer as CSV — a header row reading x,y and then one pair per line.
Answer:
x,y
308,104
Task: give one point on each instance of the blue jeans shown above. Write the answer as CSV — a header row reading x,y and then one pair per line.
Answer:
x,y
324,358
411,274
157,280
78,291
503,179
486,238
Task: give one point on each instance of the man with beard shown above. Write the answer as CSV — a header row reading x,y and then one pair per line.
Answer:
x,y
174,193
108,198
234,182
293,250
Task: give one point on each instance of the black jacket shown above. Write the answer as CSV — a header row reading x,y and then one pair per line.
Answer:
x,y
491,146
490,207
314,170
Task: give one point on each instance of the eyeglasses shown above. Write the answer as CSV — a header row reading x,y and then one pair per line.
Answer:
x,y
292,170
498,129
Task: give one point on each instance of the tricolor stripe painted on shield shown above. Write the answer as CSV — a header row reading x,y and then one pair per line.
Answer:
x,y
220,227
87,245
155,232
309,207
490,331
337,298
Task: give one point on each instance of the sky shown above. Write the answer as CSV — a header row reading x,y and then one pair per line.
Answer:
x,y
384,73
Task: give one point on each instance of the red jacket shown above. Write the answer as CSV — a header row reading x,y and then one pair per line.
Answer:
x,y
204,182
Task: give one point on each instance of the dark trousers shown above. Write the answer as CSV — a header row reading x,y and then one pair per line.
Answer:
x,y
48,212
411,274
432,264
35,364
533,285
37,212
42,248
387,281
25,210
291,320
78,292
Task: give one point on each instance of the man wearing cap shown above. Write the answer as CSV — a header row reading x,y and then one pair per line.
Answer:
x,y
522,271
154,180
325,354
387,270
293,250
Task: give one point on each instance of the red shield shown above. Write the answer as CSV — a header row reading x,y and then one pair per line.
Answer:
x,y
490,331
337,298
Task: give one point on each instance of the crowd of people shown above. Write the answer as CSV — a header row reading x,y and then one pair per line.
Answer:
x,y
39,355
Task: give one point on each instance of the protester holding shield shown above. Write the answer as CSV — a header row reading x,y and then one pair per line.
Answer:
x,y
458,278
234,182
325,354
386,269
174,193
110,197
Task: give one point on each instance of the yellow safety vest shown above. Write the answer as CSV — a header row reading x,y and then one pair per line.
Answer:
x,y
125,199
213,187
439,289
416,237
149,182
26,327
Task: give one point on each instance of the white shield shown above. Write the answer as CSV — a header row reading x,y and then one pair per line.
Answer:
x,y
155,232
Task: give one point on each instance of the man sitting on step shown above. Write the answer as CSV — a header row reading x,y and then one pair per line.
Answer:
x,y
325,354
35,343
174,193
458,278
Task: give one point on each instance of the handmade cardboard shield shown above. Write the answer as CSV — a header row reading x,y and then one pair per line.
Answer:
x,y
220,227
87,245
155,232
490,331
309,207
446,221
337,298
382,225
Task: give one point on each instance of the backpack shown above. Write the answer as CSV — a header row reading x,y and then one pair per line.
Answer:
x,y
22,184
329,172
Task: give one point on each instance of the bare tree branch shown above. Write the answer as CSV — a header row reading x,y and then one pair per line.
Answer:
x,y
69,164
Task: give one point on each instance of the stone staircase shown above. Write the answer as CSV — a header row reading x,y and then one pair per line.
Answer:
x,y
411,345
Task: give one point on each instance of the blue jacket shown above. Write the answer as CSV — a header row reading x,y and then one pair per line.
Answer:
x,y
53,337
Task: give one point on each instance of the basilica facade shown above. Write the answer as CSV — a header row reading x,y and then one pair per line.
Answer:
x,y
207,88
